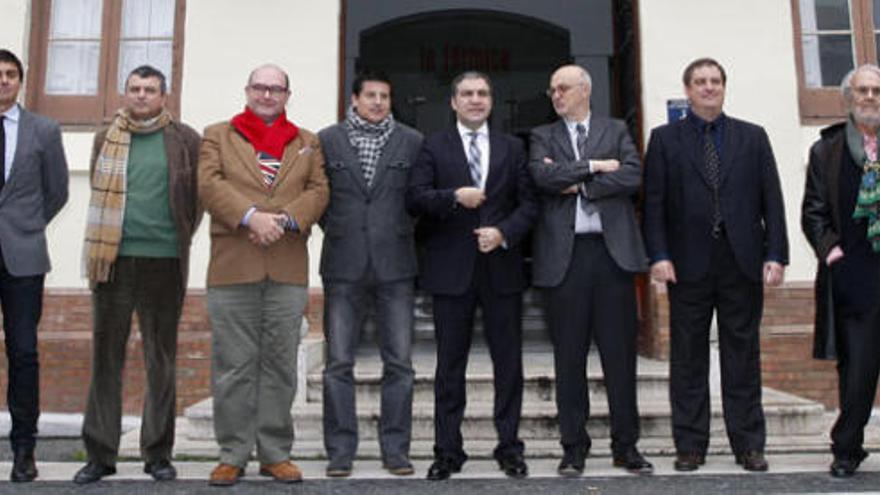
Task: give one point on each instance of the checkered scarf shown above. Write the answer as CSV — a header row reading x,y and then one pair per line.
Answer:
x,y
368,139
107,204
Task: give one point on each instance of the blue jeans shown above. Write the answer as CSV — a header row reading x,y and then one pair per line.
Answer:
x,y
344,315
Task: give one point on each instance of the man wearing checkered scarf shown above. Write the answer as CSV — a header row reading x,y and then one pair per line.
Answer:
x,y
368,266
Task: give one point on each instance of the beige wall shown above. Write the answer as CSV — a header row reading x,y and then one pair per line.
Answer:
x,y
753,40
224,39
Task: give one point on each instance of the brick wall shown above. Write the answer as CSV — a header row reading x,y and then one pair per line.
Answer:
x,y
65,339
65,348
786,341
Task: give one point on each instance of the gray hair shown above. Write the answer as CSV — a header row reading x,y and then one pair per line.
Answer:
x,y
846,82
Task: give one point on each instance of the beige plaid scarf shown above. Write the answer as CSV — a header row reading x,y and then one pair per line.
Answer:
x,y
107,204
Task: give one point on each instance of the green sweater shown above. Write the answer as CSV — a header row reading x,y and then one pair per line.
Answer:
x,y
148,230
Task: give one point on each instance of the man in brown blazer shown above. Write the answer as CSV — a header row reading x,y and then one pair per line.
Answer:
x,y
261,179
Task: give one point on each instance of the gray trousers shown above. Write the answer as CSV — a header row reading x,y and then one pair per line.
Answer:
x,y
255,340
344,314
151,288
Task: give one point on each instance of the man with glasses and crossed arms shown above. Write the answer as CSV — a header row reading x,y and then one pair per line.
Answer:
x,y
262,180
587,248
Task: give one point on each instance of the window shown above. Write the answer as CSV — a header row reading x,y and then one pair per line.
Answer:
x,y
82,51
831,37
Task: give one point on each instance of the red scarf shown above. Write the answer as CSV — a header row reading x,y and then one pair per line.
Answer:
x,y
269,139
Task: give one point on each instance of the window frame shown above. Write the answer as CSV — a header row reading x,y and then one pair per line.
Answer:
x,y
97,109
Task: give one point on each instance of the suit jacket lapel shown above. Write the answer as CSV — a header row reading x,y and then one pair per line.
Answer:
x,y
563,140
692,141
497,158
389,151
727,149
350,158
25,138
291,153
459,159
597,130
245,151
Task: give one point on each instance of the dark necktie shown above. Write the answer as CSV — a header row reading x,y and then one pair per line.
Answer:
x,y
2,152
713,173
474,160
586,204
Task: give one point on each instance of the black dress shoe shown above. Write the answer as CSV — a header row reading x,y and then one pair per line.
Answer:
x,y
23,467
92,472
634,462
689,461
752,460
513,465
573,461
844,467
442,469
161,470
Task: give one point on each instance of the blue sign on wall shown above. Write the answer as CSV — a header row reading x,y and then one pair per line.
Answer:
x,y
676,109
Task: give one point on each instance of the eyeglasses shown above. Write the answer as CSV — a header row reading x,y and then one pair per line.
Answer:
x,y
561,89
866,90
273,90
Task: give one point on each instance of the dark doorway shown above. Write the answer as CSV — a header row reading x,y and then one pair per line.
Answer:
x,y
423,53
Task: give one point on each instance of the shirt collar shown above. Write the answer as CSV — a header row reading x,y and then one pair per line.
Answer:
x,y
701,124
572,124
13,114
465,132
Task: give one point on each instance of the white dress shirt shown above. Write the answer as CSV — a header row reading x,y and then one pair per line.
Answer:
x,y
583,223
10,127
482,144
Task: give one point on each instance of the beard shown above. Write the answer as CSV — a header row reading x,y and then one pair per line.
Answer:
x,y
867,117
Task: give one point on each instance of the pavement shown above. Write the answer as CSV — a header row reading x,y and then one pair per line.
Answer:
x,y
789,473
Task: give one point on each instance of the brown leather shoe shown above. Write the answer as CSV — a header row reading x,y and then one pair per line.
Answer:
x,y
225,475
284,472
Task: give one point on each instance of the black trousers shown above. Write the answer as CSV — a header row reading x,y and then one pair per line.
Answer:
x,y
596,301
858,364
21,299
502,323
738,302
150,287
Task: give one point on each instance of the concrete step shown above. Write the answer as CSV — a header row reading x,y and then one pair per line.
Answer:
x,y
786,415
538,373
188,447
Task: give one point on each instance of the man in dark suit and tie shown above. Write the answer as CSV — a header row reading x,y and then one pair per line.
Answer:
x,y
368,254
33,188
715,229
587,248
475,199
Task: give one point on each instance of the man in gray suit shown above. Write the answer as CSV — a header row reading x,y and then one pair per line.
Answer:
x,y
33,187
587,247
368,255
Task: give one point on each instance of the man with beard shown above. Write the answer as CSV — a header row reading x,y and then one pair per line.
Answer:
x,y
715,230
141,218
840,217
262,180
368,255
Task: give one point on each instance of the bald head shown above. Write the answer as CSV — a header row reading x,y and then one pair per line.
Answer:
x,y
272,69
267,92
570,88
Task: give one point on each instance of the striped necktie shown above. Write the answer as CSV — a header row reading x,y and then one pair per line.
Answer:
x,y
474,160
587,205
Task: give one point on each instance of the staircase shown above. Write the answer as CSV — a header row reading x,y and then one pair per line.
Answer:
x,y
793,424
